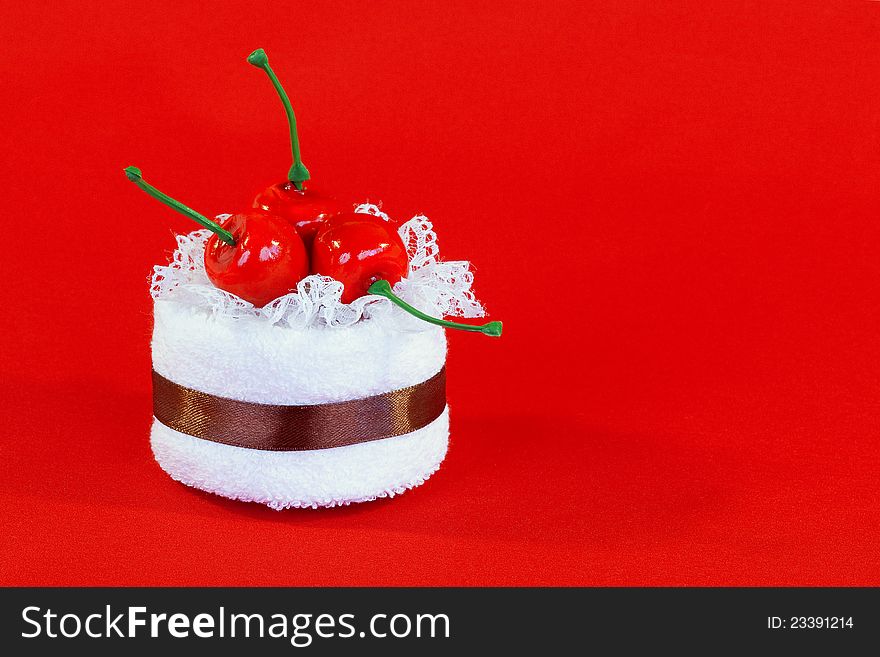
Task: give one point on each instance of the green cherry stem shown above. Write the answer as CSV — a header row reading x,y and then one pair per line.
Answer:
x,y
298,172
383,289
135,176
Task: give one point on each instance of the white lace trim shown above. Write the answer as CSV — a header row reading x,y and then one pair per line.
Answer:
x,y
436,287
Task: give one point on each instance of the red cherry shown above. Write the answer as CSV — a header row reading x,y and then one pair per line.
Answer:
x,y
266,261
254,255
357,250
307,209
260,256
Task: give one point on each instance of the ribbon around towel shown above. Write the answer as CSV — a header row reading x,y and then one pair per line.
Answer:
x,y
297,428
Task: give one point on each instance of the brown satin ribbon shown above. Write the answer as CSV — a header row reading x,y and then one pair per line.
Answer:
x,y
298,428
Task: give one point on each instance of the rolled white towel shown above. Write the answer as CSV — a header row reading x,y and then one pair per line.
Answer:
x,y
252,360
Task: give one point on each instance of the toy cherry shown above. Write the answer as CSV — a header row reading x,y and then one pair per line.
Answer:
x,y
367,256
306,207
254,255
358,250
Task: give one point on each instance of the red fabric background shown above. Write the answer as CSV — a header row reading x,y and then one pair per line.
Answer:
x,y
674,210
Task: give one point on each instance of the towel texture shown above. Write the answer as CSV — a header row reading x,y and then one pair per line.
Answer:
x,y
318,478
252,360
249,359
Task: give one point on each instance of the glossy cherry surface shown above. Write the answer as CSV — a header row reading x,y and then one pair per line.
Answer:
x,y
358,250
307,209
266,261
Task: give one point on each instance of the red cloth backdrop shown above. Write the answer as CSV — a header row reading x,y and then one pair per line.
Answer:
x,y
675,211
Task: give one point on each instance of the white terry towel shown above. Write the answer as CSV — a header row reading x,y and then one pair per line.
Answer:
x,y
249,359
305,348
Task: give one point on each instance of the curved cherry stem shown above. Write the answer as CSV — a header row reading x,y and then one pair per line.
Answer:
x,y
298,172
135,176
383,289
